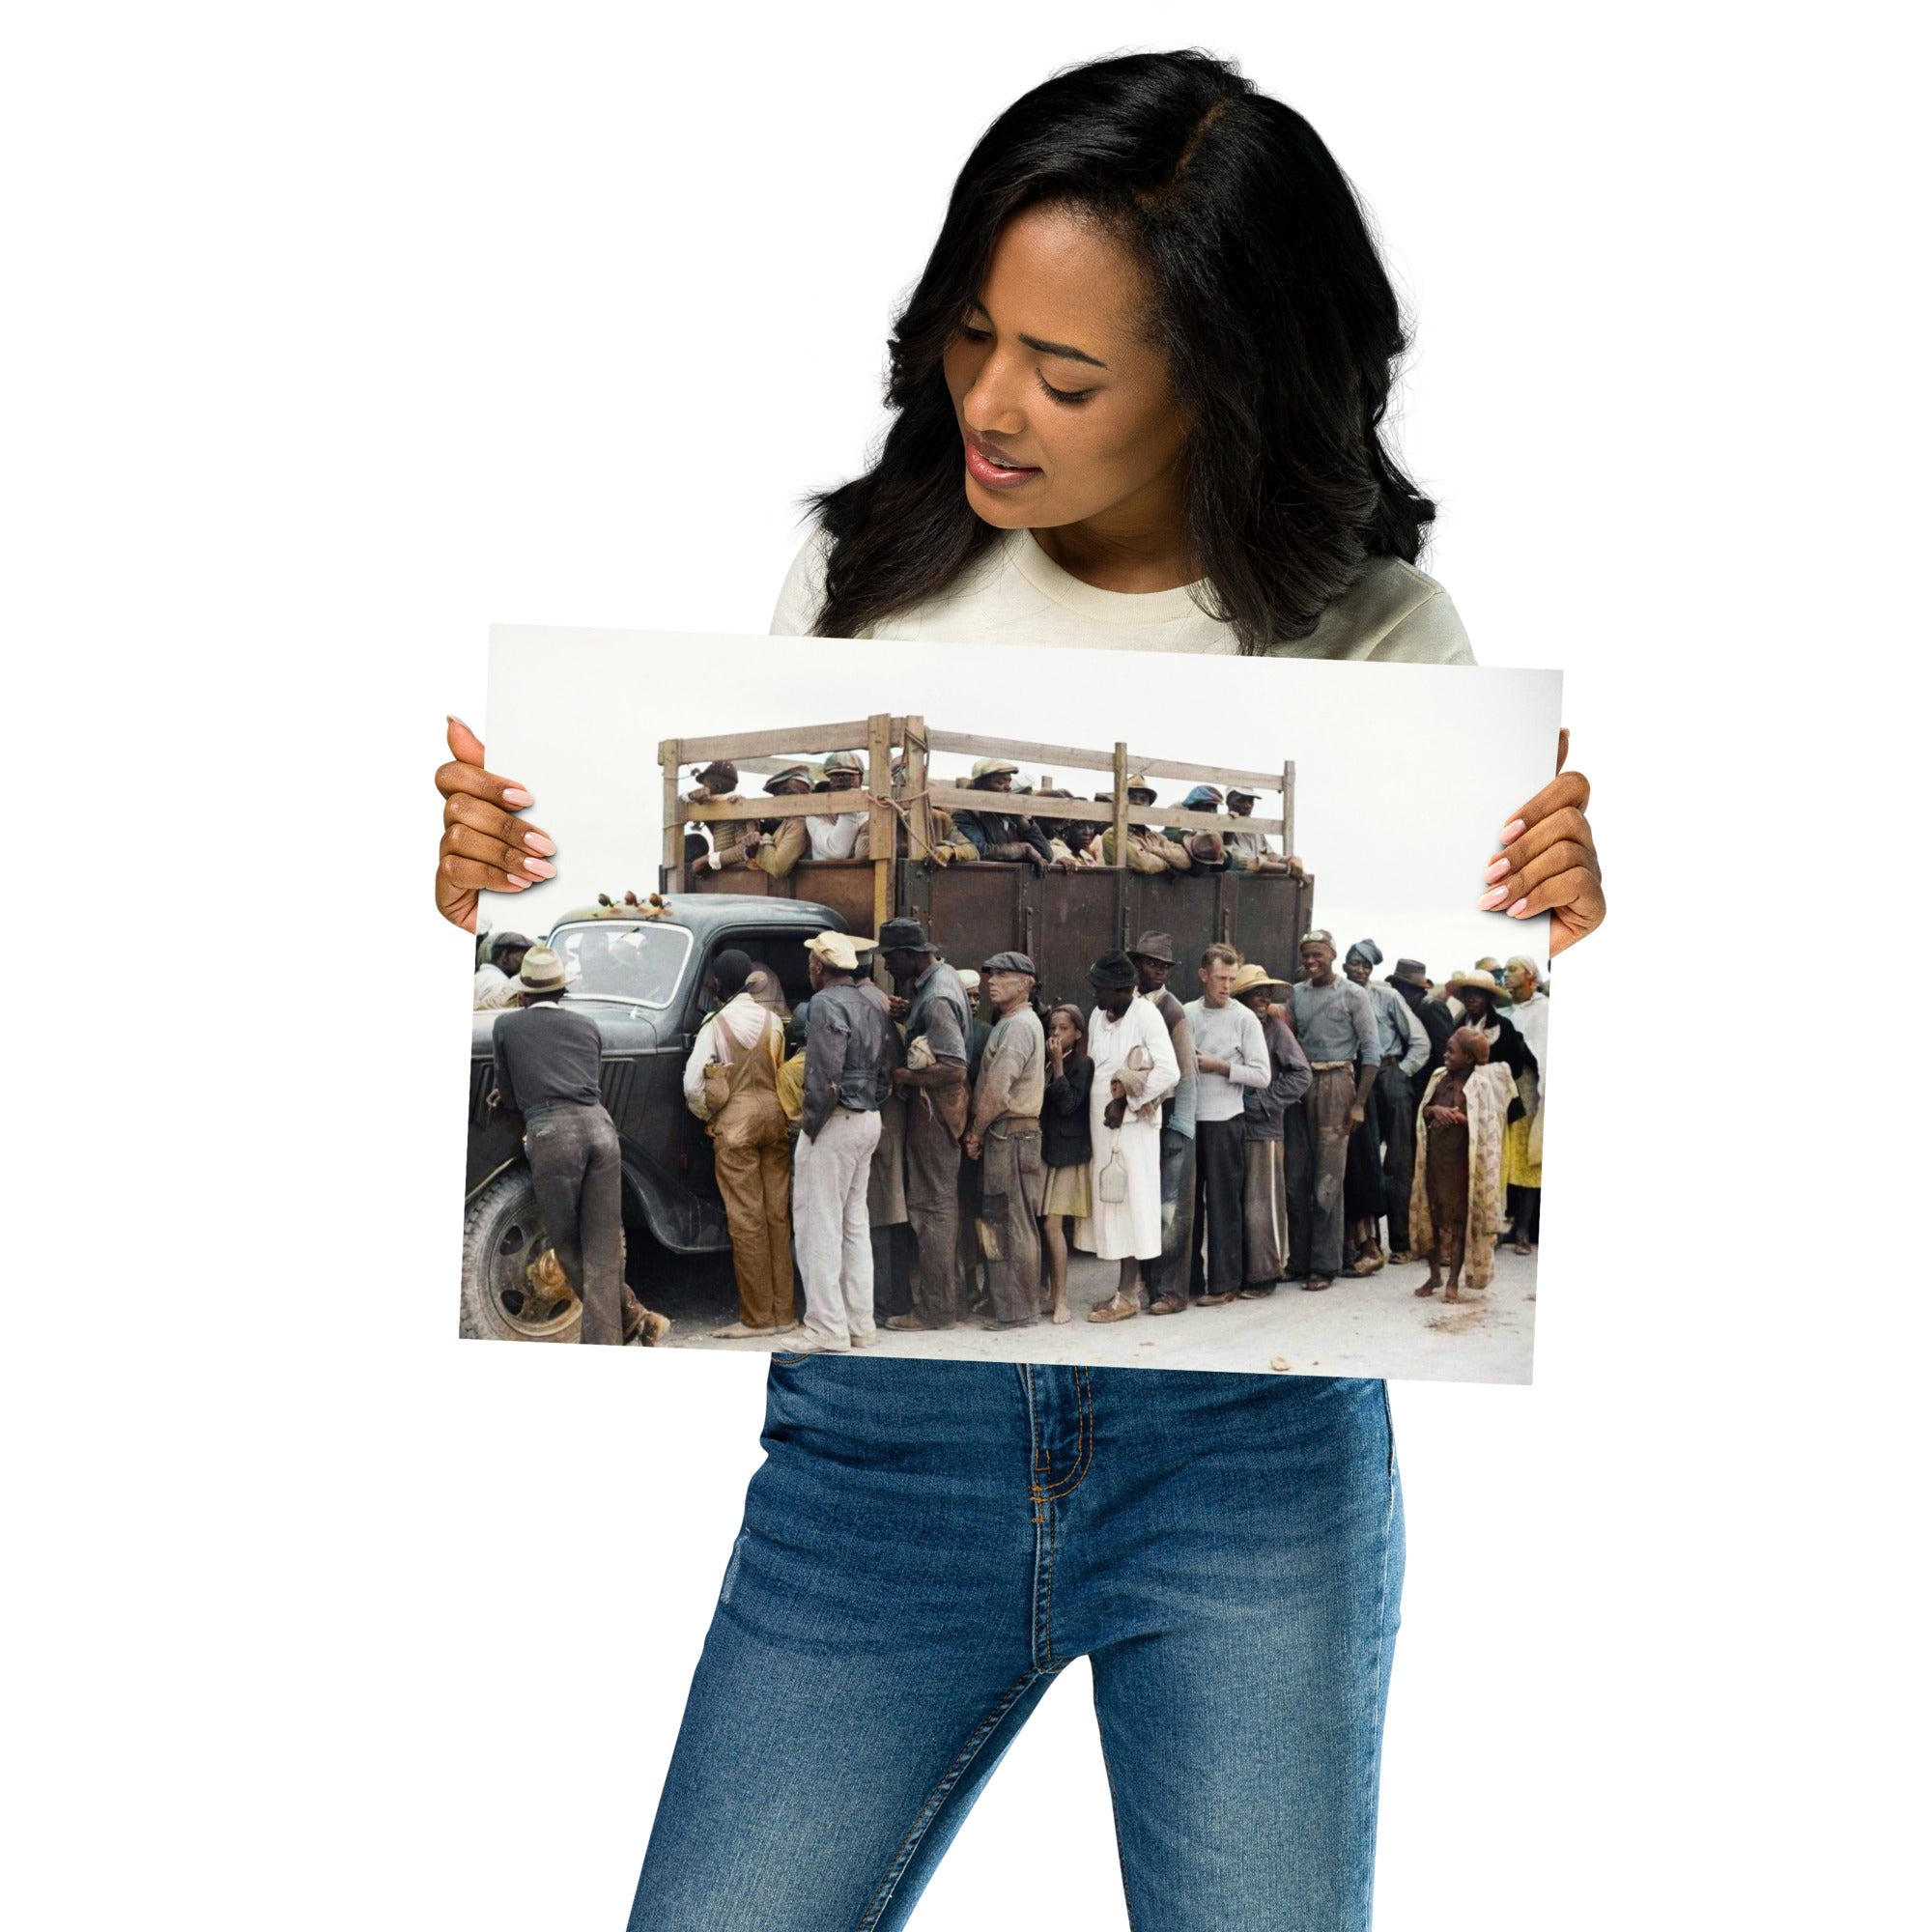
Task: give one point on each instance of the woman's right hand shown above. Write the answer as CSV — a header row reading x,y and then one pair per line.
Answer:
x,y
485,848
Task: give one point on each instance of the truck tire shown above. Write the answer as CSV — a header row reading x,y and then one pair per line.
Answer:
x,y
502,1233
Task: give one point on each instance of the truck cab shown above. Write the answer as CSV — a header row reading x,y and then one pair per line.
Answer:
x,y
641,978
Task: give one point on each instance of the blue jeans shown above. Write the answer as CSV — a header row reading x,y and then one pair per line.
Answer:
x,y
929,1543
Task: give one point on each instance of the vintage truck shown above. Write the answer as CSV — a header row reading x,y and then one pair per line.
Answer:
x,y
641,974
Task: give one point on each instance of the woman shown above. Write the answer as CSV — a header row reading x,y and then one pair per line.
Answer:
x,y
1522,1157
1456,1194
1137,397
1067,1143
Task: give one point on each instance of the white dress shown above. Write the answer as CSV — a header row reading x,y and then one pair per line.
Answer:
x,y
1117,1229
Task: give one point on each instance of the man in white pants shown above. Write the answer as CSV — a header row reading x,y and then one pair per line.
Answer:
x,y
846,1076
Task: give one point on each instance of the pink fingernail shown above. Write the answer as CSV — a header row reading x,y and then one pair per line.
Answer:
x,y
537,868
1492,898
1500,870
537,843
1518,910
451,717
1512,831
516,797
517,884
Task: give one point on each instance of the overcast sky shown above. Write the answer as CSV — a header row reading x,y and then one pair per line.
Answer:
x,y
1405,774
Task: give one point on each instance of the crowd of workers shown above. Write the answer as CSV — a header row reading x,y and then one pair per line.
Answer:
x,y
914,1164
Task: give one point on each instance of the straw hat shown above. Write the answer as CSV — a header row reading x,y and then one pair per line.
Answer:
x,y
1252,976
542,970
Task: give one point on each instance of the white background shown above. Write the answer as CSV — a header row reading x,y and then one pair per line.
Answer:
x,y
1388,806
335,334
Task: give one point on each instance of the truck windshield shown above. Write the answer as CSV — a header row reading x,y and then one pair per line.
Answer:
x,y
632,960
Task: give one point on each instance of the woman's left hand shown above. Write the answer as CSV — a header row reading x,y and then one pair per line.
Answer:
x,y
1549,861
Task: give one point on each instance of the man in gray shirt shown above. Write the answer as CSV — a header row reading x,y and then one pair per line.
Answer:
x,y
1340,1034
938,1022
1003,1137
1232,1056
845,1063
1404,1052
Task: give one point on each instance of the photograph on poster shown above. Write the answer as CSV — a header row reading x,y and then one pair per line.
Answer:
x,y
1000,1002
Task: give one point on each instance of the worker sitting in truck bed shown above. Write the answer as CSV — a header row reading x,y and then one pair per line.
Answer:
x,y
1203,849
1002,834
1073,844
1147,850
1250,851
835,836
950,845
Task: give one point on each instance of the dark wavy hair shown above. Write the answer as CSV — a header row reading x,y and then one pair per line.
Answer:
x,y
1279,326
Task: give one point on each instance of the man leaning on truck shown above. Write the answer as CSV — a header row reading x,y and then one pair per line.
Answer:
x,y
545,1065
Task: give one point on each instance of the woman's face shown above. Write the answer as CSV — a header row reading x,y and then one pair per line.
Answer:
x,y
1064,407
1065,1034
1520,983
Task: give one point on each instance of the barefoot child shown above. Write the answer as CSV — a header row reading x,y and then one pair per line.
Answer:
x,y
1067,1142
1457,1193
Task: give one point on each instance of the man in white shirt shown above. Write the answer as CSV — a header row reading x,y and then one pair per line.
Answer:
x,y
495,981
1250,851
1231,1051
835,836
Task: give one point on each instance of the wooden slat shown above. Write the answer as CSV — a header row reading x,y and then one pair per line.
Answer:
x,y
739,746
1119,813
673,819
963,798
918,771
976,745
1223,776
798,804
883,830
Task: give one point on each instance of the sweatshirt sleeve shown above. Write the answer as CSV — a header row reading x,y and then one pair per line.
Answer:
x,y
1432,633
803,595
1248,1066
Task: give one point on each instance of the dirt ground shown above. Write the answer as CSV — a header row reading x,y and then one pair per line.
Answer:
x,y
1373,1327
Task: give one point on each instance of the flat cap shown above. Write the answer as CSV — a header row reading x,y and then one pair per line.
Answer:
x,y
1010,962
